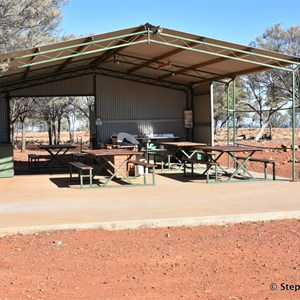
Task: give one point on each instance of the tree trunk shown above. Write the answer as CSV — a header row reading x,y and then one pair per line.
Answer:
x,y
12,134
54,133
49,133
69,128
71,131
23,148
23,139
58,130
261,132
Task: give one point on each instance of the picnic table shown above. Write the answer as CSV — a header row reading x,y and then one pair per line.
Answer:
x,y
182,149
57,153
106,162
231,150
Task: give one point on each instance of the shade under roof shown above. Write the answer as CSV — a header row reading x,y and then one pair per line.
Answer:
x,y
147,51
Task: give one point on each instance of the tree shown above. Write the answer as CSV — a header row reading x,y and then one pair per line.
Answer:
x,y
51,111
25,24
220,103
271,91
20,110
60,105
80,109
28,23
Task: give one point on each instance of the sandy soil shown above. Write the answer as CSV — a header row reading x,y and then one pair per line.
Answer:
x,y
243,261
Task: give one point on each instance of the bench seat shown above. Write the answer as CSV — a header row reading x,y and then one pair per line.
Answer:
x,y
144,165
162,154
81,167
264,161
34,160
209,165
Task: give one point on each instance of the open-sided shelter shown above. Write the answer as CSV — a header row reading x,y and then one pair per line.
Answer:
x,y
143,78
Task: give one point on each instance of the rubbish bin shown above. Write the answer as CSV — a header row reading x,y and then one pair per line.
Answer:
x,y
200,156
140,169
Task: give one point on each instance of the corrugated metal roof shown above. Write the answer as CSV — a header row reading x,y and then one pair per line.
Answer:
x,y
148,51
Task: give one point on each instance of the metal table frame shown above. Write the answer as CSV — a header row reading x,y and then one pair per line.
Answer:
x,y
56,153
231,151
183,148
107,155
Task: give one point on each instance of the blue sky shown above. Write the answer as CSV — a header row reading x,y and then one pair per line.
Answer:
x,y
238,21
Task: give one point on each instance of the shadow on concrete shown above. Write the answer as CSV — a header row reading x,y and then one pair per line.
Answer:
x,y
65,182
180,177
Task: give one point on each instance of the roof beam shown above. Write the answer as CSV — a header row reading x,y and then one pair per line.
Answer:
x,y
232,75
111,52
163,56
128,59
36,50
142,79
60,52
78,50
256,58
206,63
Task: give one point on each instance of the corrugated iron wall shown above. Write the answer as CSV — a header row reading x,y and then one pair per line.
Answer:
x,y
4,132
124,106
78,86
203,116
127,106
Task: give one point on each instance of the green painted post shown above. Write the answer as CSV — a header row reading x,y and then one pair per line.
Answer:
x,y
234,112
228,122
293,128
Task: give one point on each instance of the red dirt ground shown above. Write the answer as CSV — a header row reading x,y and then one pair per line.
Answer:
x,y
242,261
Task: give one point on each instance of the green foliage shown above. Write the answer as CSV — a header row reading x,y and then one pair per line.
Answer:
x,y
220,103
271,91
28,23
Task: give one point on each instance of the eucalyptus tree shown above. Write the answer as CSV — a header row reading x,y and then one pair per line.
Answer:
x,y
271,92
25,24
21,109
221,102
51,111
78,111
28,23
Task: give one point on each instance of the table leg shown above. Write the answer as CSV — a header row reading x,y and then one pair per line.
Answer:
x,y
55,158
214,159
241,165
105,166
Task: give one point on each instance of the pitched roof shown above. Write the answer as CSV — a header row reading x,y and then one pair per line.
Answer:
x,y
147,51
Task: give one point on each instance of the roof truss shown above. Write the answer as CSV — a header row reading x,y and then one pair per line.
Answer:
x,y
67,57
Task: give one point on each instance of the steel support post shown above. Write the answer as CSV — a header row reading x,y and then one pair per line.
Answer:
x,y
295,97
228,121
234,110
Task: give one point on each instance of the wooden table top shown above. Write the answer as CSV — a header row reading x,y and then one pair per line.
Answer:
x,y
112,152
230,148
59,146
183,144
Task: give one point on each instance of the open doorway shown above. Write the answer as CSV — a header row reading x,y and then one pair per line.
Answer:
x,y
49,120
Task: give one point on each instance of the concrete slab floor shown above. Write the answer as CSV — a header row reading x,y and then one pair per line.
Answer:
x,y
30,203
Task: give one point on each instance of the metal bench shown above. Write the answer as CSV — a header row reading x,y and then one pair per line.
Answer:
x,y
34,160
81,167
265,162
144,165
209,165
162,154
